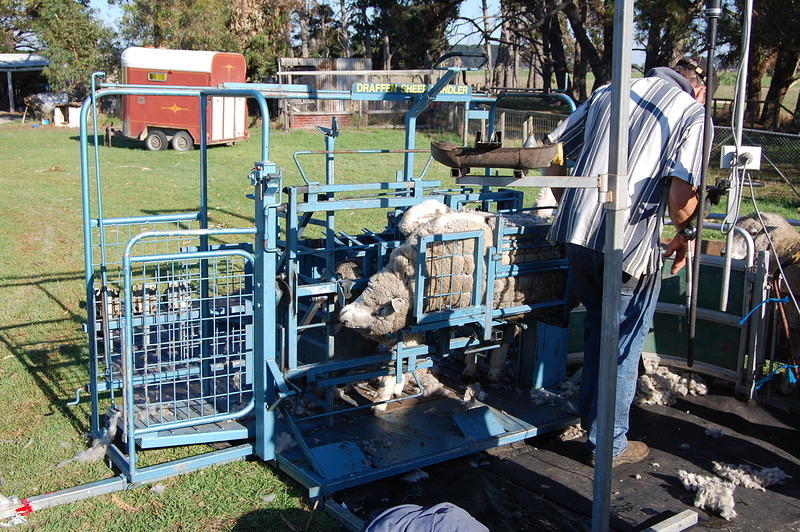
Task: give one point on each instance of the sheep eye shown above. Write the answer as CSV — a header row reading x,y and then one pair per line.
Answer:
x,y
383,311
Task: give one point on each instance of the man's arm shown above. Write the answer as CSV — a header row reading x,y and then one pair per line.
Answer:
x,y
682,206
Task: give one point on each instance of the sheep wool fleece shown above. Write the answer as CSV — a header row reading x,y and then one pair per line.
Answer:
x,y
665,140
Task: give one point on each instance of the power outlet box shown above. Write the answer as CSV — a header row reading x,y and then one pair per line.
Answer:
x,y
749,157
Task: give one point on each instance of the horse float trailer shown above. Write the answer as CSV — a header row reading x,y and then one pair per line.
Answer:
x,y
160,119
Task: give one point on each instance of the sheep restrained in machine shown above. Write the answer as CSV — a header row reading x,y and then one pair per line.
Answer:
x,y
786,241
386,304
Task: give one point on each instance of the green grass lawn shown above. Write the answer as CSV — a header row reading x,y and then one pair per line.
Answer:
x,y
43,354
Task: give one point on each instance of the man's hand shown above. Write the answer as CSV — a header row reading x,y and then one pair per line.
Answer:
x,y
679,246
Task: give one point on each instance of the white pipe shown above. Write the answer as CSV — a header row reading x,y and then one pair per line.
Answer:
x,y
734,199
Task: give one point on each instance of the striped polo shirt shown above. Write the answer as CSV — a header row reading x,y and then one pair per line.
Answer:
x,y
665,139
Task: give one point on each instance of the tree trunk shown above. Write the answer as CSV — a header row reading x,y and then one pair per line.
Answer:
x,y
601,65
344,32
782,78
508,60
758,63
535,73
651,58
500,75
387,53
487,71
579,71
580,67
303,22
515,71
367,39
552,32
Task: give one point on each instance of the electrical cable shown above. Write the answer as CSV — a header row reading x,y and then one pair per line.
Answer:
x,y
772,248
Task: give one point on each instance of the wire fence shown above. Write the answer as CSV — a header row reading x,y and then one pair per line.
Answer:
x,y
780,155
780,152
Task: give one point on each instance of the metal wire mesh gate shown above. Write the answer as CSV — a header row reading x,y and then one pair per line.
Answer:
x,y
189,338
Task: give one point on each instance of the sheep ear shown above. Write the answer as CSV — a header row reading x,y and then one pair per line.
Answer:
x,y
404,266
397,303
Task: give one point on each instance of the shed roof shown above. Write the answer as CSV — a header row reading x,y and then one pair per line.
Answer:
x,y
22,61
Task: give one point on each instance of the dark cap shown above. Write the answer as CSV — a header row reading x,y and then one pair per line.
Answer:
x,y
693,63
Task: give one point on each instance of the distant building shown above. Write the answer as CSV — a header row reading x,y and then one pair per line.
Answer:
x,y
23,77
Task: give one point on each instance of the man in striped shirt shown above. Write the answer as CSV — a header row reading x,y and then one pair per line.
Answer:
x,y
664,164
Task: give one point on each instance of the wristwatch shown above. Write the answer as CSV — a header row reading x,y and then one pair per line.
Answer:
x,y
689,232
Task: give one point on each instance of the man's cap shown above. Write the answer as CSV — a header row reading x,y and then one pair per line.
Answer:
x,y
693,63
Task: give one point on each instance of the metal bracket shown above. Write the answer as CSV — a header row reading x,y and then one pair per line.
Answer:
x,y
604,195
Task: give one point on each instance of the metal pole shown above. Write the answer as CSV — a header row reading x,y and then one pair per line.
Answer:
x,y
100,224
738,121
88,260
713,12
612,269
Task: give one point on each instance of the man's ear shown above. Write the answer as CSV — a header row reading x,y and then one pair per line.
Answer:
x,y
700,94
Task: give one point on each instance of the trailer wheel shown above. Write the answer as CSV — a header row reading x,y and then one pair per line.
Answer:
x,y
182,141
156,140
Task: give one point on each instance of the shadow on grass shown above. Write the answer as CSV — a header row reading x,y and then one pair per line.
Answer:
x,y
56,366
128,143
294,519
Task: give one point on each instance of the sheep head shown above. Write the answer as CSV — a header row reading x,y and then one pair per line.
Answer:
x,y
382,308
421,214
783,236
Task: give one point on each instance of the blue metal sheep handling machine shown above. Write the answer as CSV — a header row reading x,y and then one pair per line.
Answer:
x,y
201,334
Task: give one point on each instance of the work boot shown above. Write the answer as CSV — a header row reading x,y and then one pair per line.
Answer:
x,y
636,451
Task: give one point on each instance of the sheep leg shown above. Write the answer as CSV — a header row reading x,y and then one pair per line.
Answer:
x,y
470,365
497,362
388,387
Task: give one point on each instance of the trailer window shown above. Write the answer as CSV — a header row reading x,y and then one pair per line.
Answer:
x,y
157,76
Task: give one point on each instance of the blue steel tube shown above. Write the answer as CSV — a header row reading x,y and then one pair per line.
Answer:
x,y
420,104
128,363
612,269
94,418
264,317
86,201
205,315
97,178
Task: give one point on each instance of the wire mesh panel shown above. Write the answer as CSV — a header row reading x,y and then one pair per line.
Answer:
x,y
191,338
450,273
517,125
531,270
116,234
779,154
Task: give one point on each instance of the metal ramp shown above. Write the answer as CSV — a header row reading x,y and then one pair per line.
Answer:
x,y
361,448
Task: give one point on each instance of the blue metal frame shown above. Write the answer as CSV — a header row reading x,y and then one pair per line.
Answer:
x,y
127,461
294,347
